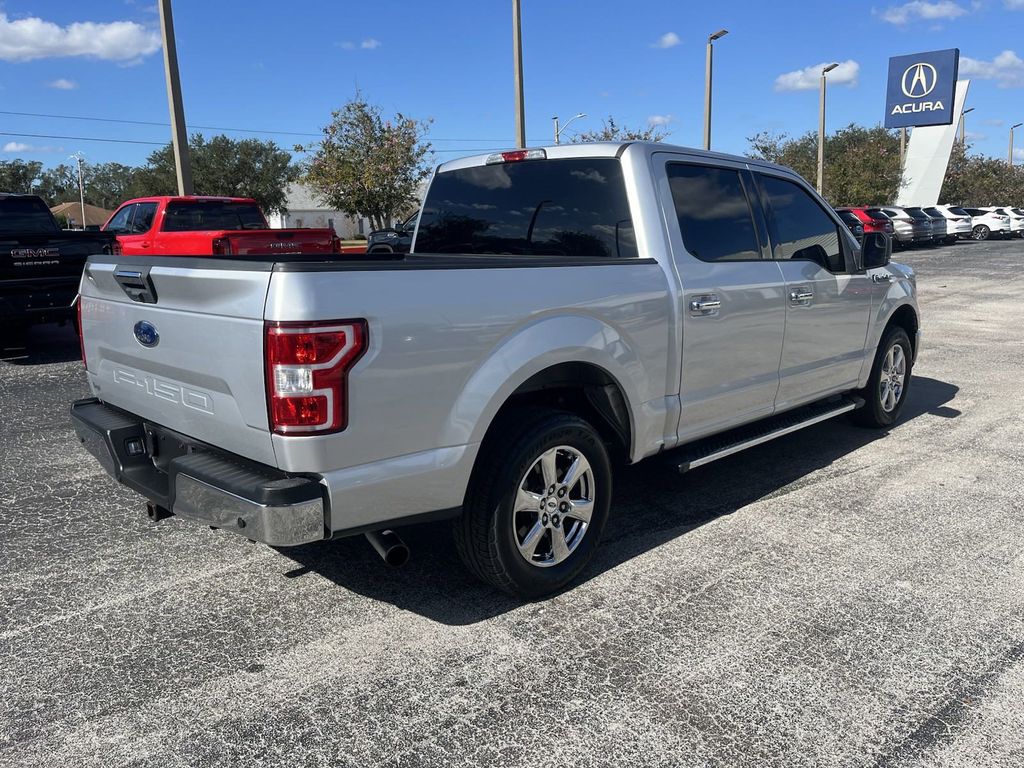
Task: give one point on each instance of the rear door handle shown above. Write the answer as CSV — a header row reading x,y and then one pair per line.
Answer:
x,y
704,306
801,296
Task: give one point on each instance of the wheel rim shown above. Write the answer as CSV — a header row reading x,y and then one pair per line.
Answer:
x,y
980,232
892,381
553,506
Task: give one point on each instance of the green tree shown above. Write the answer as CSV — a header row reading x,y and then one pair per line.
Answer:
x,y
612,131
862,165
58,185
19,175
366,165
974,180
223,166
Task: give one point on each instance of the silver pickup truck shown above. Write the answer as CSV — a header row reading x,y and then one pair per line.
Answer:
x,y
564,310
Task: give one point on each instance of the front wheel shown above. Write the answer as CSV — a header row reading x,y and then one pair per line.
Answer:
x,y
887,387
981,232
537,503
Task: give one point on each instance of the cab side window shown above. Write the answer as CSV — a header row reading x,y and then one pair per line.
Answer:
x,y
714,214
119,223
800,228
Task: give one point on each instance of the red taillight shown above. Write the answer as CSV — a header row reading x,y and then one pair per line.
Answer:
x,y
221,246
307,368
516,156
81,336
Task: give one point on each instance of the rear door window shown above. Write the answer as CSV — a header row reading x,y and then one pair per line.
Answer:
x,y
714,213
142,222
799,225
209,215
573,207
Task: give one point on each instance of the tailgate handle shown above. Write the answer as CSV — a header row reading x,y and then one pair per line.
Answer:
x,y
137,284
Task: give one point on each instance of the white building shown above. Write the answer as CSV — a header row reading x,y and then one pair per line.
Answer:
x,y
305,210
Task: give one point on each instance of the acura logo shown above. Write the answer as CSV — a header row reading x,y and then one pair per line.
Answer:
x,y
919,80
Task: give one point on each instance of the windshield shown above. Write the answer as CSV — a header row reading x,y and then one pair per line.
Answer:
x,y
573,207
211,215
26,216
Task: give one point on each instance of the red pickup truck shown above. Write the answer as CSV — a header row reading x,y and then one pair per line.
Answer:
x,y
209,226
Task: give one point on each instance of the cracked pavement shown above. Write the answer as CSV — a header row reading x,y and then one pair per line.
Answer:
x,y
839,597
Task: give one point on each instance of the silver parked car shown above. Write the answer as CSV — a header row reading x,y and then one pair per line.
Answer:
x,y
910,229
564,310
958,220
940,226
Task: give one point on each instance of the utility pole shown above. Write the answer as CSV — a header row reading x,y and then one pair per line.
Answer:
x,y
707,85
517,64
821,127
179,136
555,118
1012,129
81,185
963,127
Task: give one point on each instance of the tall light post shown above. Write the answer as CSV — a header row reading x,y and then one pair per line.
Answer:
x,y
963,127
179,136
821,125
1012,129
559,130
707,85
79,160
517,65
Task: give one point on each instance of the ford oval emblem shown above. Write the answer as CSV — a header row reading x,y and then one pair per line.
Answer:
x,y
145,334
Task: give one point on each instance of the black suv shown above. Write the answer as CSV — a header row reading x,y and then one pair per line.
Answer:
x,y
397,240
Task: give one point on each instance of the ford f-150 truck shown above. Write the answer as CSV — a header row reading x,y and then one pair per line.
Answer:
x,y
564,310
209,226
40,264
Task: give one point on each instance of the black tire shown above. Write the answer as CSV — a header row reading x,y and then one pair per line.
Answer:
x,y
874,413
981,232
486,533
380,249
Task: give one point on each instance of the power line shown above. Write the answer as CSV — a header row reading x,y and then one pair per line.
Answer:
x,y
200,127
81,138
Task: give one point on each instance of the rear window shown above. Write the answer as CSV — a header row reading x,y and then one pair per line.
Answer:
x,y
958,211
916,213
212,215
575,207
848,217
25,216
934,212
876,214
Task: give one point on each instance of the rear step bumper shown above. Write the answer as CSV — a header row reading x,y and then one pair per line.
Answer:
x,y
197,482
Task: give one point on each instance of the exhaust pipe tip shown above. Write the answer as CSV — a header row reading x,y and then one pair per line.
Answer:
x,y
389,545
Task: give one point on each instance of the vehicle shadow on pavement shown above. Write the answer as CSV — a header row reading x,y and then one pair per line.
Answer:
x,y
41,344
652,504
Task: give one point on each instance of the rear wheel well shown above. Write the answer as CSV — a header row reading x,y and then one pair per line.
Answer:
x,y
906,318
580,388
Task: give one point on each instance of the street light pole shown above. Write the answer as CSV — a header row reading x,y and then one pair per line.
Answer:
x,y
821,126
81,185
179,136
1012,129
517,64
707,85
963,127
567,122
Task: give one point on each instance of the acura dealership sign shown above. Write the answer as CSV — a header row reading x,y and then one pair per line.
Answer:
x,y
921,88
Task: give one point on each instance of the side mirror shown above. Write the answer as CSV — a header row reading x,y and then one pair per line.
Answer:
x,y
876,250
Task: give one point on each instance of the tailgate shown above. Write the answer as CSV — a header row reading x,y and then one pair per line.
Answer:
x,y
193,359
42,256
283,241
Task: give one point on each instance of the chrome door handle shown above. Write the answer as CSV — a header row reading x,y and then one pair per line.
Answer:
x,y
702,306
801,295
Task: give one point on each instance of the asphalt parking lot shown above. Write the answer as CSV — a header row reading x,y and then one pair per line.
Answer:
x,y
837,598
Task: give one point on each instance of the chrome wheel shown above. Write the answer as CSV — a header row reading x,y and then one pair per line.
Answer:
x,y
980,232
891,380
553,506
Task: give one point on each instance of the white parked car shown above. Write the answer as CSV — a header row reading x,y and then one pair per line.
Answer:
x,y
1016,221
958,220
985,222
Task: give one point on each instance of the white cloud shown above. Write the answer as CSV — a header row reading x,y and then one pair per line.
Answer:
x,y
922,9
808,78
62,84
668,40
367,45
17,146
32,38
993,121
1007,69
1014,5
657,120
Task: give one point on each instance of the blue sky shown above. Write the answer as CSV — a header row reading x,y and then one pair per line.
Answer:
x,y
282,67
